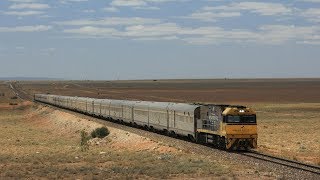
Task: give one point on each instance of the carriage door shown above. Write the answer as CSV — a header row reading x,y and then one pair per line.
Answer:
x,y
92,107
171,119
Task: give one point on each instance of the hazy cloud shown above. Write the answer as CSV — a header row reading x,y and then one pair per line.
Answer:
x,y
29,6
110,21
111,9
261,8
266,34
314,1
37,28
211,16
23,1
128,3
312,14
71,1
23,13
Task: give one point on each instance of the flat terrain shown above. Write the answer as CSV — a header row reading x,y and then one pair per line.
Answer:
x,y
210,91
288,113
41,142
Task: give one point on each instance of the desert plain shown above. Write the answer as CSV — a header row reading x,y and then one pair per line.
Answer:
x,y
40,141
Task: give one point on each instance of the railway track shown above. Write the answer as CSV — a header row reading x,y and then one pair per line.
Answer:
x,y
20,94
183,144
282,161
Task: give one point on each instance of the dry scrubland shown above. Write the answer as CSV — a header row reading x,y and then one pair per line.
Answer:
x,y
288,110
42,142
290,130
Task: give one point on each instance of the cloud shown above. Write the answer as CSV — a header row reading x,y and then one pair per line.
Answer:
x,y
71,1
29,6
93,31
110,21
141,4
111,9
312,14
89,11
37,28
20,48
128,3
313,1
147,7
23,13
164,29
267,34
214,13
261,8
210,16
47,51
309,42
23,1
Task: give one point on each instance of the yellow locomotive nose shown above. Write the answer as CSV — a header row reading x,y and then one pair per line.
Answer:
x,y
240,127
241,136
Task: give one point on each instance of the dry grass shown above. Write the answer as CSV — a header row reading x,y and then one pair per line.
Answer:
x,y
7,96
288,121
37,147
286,127
290,130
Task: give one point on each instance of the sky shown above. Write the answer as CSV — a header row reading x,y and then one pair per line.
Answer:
x,y
159,39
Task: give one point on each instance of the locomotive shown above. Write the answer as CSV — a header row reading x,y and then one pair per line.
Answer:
x,y
228,127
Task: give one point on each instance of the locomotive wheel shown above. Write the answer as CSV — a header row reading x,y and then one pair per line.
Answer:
x,y
201,138
192,139
222,143
173,134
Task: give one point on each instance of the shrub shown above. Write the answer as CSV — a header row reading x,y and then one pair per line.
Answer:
x,y
84,140
100,132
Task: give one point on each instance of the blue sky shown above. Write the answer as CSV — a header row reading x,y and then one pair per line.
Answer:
x,y
147,39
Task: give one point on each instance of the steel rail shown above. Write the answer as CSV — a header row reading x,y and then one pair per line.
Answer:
x,y
282,161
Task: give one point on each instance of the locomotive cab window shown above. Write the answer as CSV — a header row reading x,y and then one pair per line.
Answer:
x,y
241,119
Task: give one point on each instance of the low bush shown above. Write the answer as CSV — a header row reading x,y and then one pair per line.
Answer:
x,y
84,140
100,132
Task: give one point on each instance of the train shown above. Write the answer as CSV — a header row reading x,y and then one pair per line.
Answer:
x,y
229,127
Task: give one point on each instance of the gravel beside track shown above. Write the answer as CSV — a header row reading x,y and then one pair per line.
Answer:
x,y
285,162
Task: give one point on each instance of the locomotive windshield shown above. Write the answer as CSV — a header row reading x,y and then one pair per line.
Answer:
x,y
241,119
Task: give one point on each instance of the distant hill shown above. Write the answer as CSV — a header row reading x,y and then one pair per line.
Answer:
x,y
27,78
